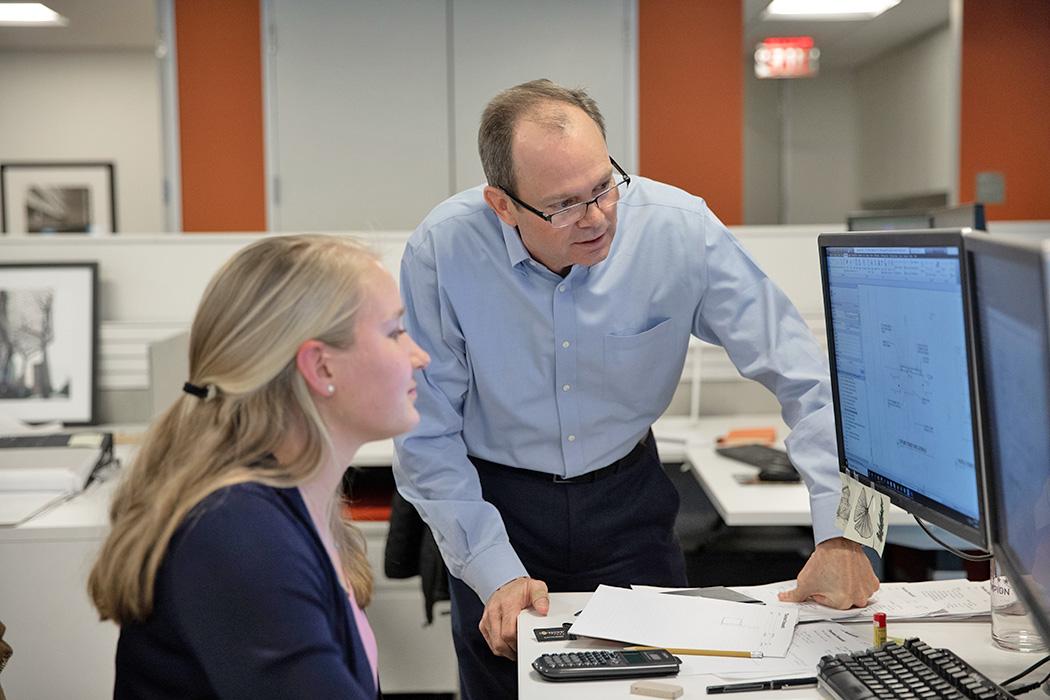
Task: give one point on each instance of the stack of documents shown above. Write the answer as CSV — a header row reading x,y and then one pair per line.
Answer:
x,y
956,599
644,616
952,599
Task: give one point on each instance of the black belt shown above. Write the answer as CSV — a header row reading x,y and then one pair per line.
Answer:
x,y
622,464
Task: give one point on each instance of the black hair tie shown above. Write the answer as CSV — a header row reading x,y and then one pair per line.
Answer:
x,y
199,391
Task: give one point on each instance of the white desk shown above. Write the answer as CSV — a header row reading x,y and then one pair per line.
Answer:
x,y
767,503
970,640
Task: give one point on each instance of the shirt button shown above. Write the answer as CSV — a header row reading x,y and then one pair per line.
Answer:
x,y
566,387
565,343
561,287
572,438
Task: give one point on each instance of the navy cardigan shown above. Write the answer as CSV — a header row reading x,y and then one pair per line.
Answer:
x,y
247,605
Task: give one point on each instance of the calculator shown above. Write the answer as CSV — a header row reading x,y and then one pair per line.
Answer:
x,y
597,664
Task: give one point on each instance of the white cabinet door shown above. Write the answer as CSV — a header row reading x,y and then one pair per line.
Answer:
x,y
358,107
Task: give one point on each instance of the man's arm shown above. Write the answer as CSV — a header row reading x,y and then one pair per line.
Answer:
x,y
432,469
767,339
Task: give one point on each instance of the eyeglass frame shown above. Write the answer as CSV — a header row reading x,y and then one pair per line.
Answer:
x,y
586,204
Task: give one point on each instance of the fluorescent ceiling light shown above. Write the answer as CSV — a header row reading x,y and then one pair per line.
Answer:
x,y
29,14
826,9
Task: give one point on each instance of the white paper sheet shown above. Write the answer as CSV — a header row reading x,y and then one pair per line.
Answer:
x,y
654,619
944,600
809,643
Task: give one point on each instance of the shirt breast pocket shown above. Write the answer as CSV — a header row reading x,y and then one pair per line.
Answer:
x,y
641,370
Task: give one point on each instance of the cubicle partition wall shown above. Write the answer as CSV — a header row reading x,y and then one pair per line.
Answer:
x,y
150,286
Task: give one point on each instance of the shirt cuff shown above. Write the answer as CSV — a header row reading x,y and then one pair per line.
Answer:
x,y
823,509
491,569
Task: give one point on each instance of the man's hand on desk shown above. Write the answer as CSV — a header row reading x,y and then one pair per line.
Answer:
x,y
499,622
837,575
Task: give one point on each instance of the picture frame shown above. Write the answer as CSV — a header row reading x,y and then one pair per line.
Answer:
x,y
47,198
49,341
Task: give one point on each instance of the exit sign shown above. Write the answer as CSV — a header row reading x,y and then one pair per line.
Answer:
x,y
787,57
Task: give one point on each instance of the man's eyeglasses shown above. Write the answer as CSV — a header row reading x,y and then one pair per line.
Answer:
x,y
571,214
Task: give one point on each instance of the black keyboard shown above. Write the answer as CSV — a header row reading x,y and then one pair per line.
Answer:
x,y
34,440
773,464
910,670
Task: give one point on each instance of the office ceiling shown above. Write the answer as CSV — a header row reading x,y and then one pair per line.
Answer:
x,y
131,24
852,43
93,24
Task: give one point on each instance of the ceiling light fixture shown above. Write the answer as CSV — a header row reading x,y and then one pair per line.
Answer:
x,y
826,9
29,14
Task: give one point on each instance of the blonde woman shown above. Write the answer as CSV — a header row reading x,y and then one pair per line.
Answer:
x,y
229,567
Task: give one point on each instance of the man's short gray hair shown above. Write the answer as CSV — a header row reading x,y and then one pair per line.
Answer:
x,y
528,100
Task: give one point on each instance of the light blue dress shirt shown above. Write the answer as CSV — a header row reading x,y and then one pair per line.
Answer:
x,y
565,375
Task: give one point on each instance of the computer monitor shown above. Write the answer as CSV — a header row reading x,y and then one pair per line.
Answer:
x,y
888,220
961,216
1010,284
900,348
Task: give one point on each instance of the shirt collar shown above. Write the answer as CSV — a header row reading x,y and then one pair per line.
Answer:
x,y
517,253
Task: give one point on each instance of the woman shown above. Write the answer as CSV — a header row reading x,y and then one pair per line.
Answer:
x,y
229,567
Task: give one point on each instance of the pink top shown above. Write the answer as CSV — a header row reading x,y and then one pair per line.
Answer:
x,y
368,637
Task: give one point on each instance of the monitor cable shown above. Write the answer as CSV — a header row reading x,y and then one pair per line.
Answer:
x,y
1025,672
985,556
1022,689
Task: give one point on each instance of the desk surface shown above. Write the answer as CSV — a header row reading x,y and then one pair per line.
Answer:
x,y
678,438
970,640
86,516
751,504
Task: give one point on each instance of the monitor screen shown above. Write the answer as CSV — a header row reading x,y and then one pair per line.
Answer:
x,y
900,348
1009,289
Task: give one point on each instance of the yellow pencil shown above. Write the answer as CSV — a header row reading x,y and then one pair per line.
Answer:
x,y
704,652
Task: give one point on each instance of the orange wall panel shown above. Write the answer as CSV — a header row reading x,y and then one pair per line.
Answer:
x,y
1005,104
691,99
219,53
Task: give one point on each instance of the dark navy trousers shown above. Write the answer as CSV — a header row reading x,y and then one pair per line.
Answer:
x,y
617,529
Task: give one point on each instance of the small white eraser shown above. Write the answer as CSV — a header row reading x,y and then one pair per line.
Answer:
x,y
656,689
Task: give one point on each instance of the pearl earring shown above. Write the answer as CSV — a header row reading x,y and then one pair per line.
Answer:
x,y
331,389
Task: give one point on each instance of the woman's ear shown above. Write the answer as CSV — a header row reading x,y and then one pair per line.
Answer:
x,y
310,360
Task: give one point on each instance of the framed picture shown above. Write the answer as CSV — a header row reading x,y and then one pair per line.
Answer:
x,y
48,341
43,198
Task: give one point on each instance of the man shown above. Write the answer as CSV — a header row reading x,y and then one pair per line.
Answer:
x,y
556,304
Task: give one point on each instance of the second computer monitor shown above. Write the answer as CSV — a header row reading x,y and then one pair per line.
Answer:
x,y
900,349
1010,306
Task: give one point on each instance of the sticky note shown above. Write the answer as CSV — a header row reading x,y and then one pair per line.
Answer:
x,y
85,440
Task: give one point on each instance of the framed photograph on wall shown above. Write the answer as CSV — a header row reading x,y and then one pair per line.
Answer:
x,y
48,341
44,198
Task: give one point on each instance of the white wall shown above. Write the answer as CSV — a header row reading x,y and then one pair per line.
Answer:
x,y
151,286
373,107
800,148
360,113
762,149
906,109
89,106
820,148
584,43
